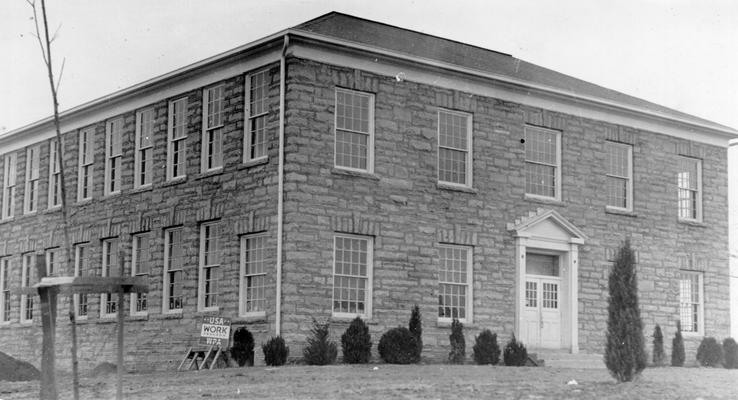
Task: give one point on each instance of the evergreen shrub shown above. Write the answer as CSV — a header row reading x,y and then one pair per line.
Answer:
x,y
658,346
242,350
416,328
677,348
275,351
398,346
486,349
356,343
625,353
458,343
515,354
730,350
710,353
320,350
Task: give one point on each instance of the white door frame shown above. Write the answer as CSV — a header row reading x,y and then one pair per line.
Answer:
x,y
548,232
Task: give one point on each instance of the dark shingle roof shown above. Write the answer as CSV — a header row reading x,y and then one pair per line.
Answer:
x,y
370,33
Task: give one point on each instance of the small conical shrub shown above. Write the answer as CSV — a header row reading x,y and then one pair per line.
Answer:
x,y
625,353
710,353
416,328
730,350
356,343
515,354
320,349
243,347
275,351
677,348
658,346
398,346
458,343
486,349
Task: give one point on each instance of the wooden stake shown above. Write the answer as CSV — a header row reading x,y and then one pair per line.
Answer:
x,y
48,326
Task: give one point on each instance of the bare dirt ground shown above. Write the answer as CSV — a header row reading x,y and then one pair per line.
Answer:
x,y
398,382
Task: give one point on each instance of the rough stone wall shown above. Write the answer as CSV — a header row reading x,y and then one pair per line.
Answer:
x,y
407,213
242,197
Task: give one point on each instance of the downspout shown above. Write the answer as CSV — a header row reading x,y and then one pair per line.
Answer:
x,y
280,185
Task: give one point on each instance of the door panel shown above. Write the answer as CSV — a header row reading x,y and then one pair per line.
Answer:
x,y
542,314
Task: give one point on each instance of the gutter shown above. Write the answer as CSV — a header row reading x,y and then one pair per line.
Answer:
x,y
280,185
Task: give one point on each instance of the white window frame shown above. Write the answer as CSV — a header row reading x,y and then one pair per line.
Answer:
x,y
136,263
243,284
113,156
86,164
628,178
557,166
469,152
27,259
698,192
215,130
6,297
368,291
213,268
143,166
688,331
166,294
174,126
10,176
53,262
469,314
254,115
110,249
54,197
369,134
33,175
79,258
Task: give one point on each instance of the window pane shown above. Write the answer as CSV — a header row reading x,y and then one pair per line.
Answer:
x,y
351,149
452,165
540,146
350,275
617,192
540,179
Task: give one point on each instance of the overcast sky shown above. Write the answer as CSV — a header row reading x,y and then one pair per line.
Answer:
x,y
678,53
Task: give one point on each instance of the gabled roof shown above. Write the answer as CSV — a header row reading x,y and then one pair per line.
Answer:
x,y
534,218
382,36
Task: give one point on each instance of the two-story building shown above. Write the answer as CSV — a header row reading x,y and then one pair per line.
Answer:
x,y
346,168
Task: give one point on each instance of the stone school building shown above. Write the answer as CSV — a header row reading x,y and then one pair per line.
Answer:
x,y
345,168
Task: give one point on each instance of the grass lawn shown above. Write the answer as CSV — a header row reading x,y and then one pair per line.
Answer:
x,y
383,381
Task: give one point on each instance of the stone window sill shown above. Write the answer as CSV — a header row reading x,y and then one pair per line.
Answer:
x,y
620,211
208,174
543,200
169,315
142,189
690,222
456,188
250,319
358,174
347,320
254,162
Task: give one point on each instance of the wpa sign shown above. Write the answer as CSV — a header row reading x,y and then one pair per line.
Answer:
x,y
215,331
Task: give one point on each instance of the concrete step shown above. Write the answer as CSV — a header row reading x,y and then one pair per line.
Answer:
x,y
561,359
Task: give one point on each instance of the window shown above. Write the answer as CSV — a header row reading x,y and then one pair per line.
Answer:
x,y
454,283
619,175
173,267
86,159
209,263
354,147
352,276
4,290
54,175
542,162
690,301
113,155
212,129
176,134
255,259
257,110
54,262
9,185
27,280
689,180
33,161
110,267
454,148
82,267
140,267
143,167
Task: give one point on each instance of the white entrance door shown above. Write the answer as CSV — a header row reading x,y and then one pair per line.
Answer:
x,y
542,308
